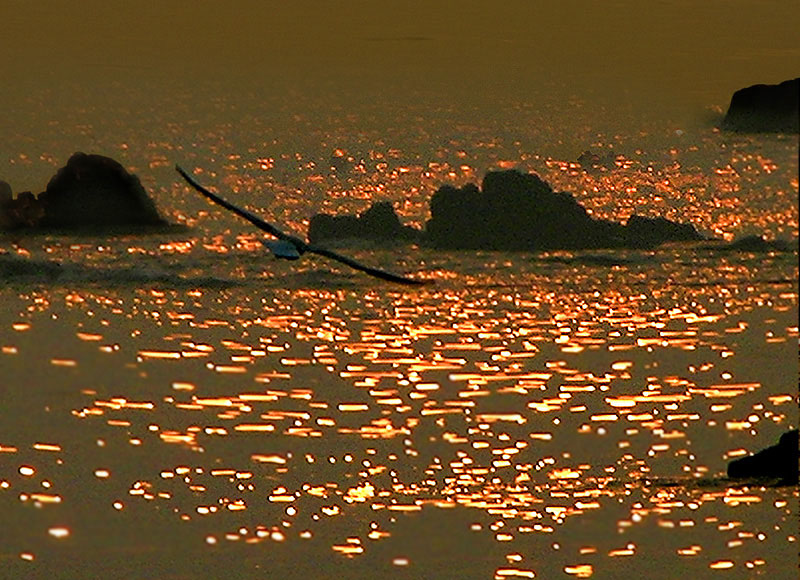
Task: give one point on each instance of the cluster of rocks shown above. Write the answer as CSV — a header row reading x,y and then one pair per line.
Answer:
x,y
517,211
511,211
378,223
90,191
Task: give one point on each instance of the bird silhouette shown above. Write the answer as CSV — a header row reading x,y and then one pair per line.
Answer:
x,y
291,247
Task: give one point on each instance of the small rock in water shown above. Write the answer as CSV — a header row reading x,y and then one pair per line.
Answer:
x,y
765,109
776,462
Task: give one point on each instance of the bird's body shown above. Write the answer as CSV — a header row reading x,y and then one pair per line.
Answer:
x,y
282,249
291,247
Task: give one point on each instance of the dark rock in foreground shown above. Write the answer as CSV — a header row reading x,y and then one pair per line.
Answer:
x,y
90,191
516,211
765,109
378,223
777,462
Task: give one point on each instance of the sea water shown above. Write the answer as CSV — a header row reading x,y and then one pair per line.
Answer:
x,y
181,405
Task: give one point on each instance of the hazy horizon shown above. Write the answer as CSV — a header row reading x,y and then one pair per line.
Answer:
x,y
663,51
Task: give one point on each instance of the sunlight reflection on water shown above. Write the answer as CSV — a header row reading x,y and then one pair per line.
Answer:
x,y
181,405
539,403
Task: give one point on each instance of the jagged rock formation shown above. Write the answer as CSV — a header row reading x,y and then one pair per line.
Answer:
x,y
765,109
516,211
378,223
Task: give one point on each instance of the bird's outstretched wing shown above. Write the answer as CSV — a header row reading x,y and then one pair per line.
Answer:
x,y
300,244
382,274
252,218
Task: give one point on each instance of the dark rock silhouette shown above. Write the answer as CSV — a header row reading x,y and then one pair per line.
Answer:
x,y
511,211
96,190
648,232
90,191
24,211
378,223
758,244
776,462
516,211
324,226
6,195
765,109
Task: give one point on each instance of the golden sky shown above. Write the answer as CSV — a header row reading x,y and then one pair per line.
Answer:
x,y
692,50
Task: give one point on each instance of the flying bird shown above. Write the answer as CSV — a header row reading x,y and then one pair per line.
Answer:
x,y
290,247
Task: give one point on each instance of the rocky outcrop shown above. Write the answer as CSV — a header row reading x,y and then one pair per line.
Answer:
x,y
511,211
643,232
96,190
777,462
91,191
22,211
765,109
516,211
378,223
